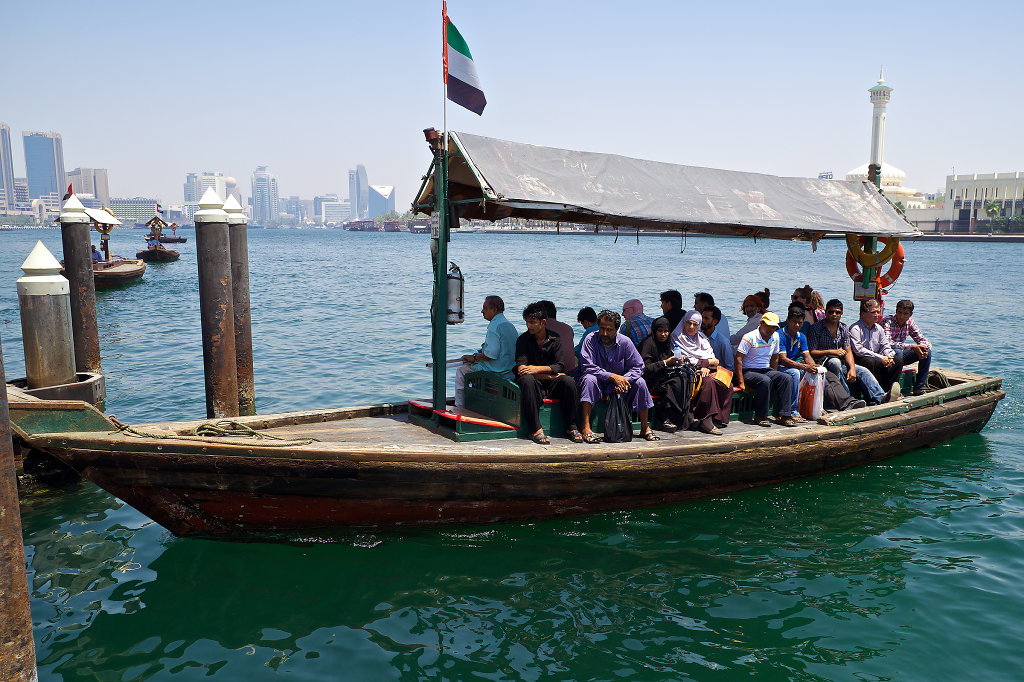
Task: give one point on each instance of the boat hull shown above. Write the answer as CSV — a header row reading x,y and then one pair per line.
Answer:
x,y
160,255
252,492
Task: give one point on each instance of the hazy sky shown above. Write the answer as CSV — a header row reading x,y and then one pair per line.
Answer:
x,y
151,91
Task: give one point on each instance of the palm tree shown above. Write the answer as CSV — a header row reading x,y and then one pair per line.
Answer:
x,y
991,210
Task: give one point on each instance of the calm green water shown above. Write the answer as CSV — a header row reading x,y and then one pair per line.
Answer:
x,y
906,570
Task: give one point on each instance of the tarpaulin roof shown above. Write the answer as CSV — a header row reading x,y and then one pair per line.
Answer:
x,y
102,217
494,179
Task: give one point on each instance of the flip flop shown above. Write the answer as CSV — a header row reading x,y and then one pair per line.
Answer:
x,y
591,438
574,435
540,439
650,435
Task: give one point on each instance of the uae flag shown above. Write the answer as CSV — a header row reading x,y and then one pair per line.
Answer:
x,y
67,195
459,70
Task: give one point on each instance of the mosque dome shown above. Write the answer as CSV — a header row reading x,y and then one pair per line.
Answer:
x,y
891,175
231,182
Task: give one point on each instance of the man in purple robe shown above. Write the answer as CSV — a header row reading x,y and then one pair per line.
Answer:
x,y
610,363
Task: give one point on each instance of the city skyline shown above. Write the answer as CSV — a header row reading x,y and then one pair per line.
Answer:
x,y
725,86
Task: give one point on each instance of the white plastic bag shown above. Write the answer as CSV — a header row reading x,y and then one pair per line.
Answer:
x,y
812,394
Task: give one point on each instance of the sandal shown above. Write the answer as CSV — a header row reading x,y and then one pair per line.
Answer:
x,y
786,421
762,421
591,438
650,435
798,419
574,435
540,439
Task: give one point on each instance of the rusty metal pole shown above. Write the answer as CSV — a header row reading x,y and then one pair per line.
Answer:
x,y
217,318
45,302
74,232
240,300
17,649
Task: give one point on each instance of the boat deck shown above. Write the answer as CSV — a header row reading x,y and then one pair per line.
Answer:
x,y
385,428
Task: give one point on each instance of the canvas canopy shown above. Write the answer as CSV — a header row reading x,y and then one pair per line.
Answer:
x,y
493,179
102,217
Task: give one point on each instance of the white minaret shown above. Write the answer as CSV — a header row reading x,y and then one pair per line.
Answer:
x,y
879,98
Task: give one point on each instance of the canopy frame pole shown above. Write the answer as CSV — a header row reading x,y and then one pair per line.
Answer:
x,y
439,249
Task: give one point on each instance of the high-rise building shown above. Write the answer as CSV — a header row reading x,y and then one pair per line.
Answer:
x,y
137,210
91,181
382,200
214,179
318,201
358,192
191,188
334,212
292,206
44,164
264,199
21,191
6,168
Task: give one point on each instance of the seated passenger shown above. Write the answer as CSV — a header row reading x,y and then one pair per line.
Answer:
x,y
498,352
96,255
672,306
753,308
635,324
871,347
587,317
610,363
900,326
757,361
664,375
814,308
795,358
540,374
712,324
702,300
765,297
565,333
829,343
713,401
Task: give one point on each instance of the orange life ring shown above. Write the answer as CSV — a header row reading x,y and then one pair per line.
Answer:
x,y
890,276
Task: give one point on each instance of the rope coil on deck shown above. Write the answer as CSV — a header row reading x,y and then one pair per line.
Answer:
x,y
213,432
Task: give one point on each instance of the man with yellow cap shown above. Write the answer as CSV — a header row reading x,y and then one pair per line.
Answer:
x,y
757,363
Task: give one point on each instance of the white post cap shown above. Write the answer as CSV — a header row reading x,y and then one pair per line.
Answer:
x,y
211,206
42,274
236,216
74,211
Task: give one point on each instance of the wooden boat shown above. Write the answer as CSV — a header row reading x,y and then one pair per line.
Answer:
x,y
376,466
117,271
157,254
370,467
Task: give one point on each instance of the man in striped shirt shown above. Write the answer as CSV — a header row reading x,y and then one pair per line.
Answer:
x,y
907,339
757,369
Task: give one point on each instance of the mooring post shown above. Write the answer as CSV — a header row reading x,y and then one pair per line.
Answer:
x,y
217,318
240,301
17,650
74,232
45,301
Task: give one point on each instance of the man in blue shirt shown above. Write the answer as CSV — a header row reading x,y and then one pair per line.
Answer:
x,y
711,316
498,352
587,317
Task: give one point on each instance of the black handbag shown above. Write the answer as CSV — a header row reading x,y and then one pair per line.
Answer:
x,y
618,420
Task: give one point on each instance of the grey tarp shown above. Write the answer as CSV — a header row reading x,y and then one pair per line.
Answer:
x,y
512,179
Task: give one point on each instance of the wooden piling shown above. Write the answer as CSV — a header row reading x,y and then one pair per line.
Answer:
x,y
240,302
216,309
17,649
45,302
74,231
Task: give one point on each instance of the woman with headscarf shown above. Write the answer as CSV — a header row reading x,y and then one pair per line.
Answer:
x,y
667,377
712,402
753,307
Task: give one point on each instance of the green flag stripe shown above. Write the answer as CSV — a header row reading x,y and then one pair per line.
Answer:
x,y
456,41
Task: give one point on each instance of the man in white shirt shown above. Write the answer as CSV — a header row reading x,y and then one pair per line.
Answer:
x,y
757,362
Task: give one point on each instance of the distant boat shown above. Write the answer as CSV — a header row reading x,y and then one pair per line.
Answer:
x,y
157,254
116,271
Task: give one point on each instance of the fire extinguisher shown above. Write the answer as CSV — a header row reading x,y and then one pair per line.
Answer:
x,y
456,292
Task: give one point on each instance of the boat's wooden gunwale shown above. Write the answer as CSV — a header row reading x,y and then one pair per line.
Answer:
x,y
132,452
